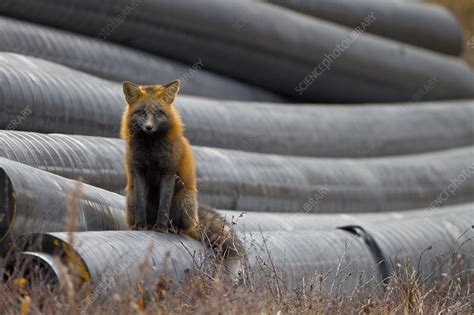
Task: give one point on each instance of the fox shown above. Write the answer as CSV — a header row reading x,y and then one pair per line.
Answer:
x,y
161,190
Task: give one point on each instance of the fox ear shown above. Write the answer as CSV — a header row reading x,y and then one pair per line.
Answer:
x,y
131,91
170,91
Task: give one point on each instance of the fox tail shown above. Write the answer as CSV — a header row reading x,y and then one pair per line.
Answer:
x,y
218,234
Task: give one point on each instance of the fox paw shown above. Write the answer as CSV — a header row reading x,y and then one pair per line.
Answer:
x,y
160,228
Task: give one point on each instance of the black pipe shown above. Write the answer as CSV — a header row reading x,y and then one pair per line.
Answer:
x,y
119,63
117,257
33,200
426,25
267,221
237,180
44,97
285,52
334,259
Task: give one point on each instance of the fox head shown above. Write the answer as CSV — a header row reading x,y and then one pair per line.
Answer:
x,y
150,109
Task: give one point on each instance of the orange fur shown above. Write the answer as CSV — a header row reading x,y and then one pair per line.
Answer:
x,y
187,168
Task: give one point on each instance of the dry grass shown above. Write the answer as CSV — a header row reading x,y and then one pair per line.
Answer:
x,y
464,11
220,295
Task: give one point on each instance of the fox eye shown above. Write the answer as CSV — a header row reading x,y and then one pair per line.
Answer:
x,y
140,112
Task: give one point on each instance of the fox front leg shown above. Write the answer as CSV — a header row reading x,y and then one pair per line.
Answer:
x,y
140,197
167,184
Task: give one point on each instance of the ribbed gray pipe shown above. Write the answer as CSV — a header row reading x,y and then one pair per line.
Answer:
x,y
45,97
347,258
238,180
116,257
97,161
421,24
249,181
120,63
427,240
265,221
300,253
329,131
263,44
36,201
431,243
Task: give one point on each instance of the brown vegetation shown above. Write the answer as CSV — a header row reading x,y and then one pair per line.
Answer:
x,y
210,294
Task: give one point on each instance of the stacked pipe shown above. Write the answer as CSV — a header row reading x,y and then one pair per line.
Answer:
x,y
268,47
409,22
264,45
35,201
119,63
295,255
237,180
45,97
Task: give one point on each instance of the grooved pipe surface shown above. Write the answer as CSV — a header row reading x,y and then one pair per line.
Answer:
x,y
62,100
428,240
344,258
237,180
46,97
329,131
267,221
421,24
33,200
120,63
295,256
431,243
265,45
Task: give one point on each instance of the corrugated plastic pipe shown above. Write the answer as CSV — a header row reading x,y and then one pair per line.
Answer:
x,y
438,242
119,63
291,54
421,24
39,96
344,257
28,201
34,200
246,221
295,256
236,180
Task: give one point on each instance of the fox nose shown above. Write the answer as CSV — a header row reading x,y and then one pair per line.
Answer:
x,y
148,127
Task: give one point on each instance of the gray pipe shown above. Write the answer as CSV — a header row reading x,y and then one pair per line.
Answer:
x,y
116,257
264,45
253,221
74,102
329,131
118,63
249,181
421,24
33,200
28,198
237,180
432,244
428,239
295,254
347,258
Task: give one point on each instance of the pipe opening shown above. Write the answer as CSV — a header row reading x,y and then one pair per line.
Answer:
x,y
33,270
7,206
